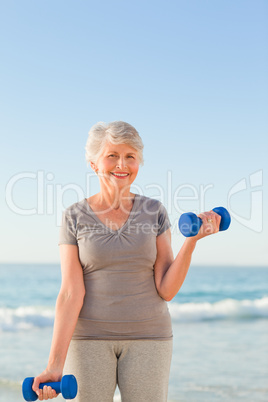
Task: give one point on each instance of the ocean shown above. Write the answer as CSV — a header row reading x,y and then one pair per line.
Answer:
x,y
220,327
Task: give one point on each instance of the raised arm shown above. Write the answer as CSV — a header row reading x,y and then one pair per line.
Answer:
x,y
68,306
170,273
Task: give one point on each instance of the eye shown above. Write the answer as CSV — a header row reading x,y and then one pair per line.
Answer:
x,y
131,156
111,156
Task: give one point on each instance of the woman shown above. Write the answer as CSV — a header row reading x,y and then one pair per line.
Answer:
x,y
112,324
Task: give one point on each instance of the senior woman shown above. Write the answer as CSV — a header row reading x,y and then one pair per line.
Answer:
x,y
112,324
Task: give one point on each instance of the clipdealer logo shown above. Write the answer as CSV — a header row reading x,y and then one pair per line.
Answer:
x,y
47,196
253,189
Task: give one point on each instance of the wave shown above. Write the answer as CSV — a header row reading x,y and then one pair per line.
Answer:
x,y
8,383
29,317
26,318
227,309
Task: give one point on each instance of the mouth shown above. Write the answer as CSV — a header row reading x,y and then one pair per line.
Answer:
x,y
120,175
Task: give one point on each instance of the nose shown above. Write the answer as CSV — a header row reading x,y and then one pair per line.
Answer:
x,y
120,163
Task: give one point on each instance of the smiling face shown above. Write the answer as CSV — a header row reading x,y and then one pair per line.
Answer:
x,y
118,165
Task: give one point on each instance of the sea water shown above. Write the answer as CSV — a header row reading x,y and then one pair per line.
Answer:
x,y
220,327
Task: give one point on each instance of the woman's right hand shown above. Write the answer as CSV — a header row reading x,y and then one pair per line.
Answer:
x,y
47,376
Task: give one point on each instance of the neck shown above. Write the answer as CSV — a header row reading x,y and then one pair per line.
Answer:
x,y
115,198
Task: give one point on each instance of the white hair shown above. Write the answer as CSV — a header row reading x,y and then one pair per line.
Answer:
x,y
116,132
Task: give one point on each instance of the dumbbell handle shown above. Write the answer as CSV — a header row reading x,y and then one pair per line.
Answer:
x,y
54,385
189,223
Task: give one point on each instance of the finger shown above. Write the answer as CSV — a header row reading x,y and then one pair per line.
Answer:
x,y
210,215
207,218
214,219
35,386
203,216
218,219
51,393
45,392
207,227
54,394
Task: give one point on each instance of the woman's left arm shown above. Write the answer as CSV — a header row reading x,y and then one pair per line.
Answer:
x,y
170,273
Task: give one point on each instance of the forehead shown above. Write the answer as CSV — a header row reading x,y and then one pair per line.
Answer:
x,y
119,148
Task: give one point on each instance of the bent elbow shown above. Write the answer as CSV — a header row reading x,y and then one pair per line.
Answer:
x,y
168,299
166,296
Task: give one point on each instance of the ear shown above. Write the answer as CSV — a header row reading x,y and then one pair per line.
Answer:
x,y
93,167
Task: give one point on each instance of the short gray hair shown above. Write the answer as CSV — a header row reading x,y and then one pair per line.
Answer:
x,y
116,132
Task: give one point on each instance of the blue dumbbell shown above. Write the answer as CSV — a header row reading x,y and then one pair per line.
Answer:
x,y
190,223
67,387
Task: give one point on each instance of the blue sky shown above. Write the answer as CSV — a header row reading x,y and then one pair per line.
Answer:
x,y
191,76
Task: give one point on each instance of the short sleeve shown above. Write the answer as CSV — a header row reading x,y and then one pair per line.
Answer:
x,y
67,230
163,220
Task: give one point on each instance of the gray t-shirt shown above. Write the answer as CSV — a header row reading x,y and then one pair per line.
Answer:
x,y
121,300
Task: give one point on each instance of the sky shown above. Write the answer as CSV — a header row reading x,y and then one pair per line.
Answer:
x,y
190,76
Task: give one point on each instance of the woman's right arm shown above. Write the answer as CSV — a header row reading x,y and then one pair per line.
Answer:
x,y
68,306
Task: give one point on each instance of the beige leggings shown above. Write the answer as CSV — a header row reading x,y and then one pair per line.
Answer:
x,y
140,368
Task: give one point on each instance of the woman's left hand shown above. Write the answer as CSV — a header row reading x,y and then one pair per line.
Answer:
x,y
211,224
